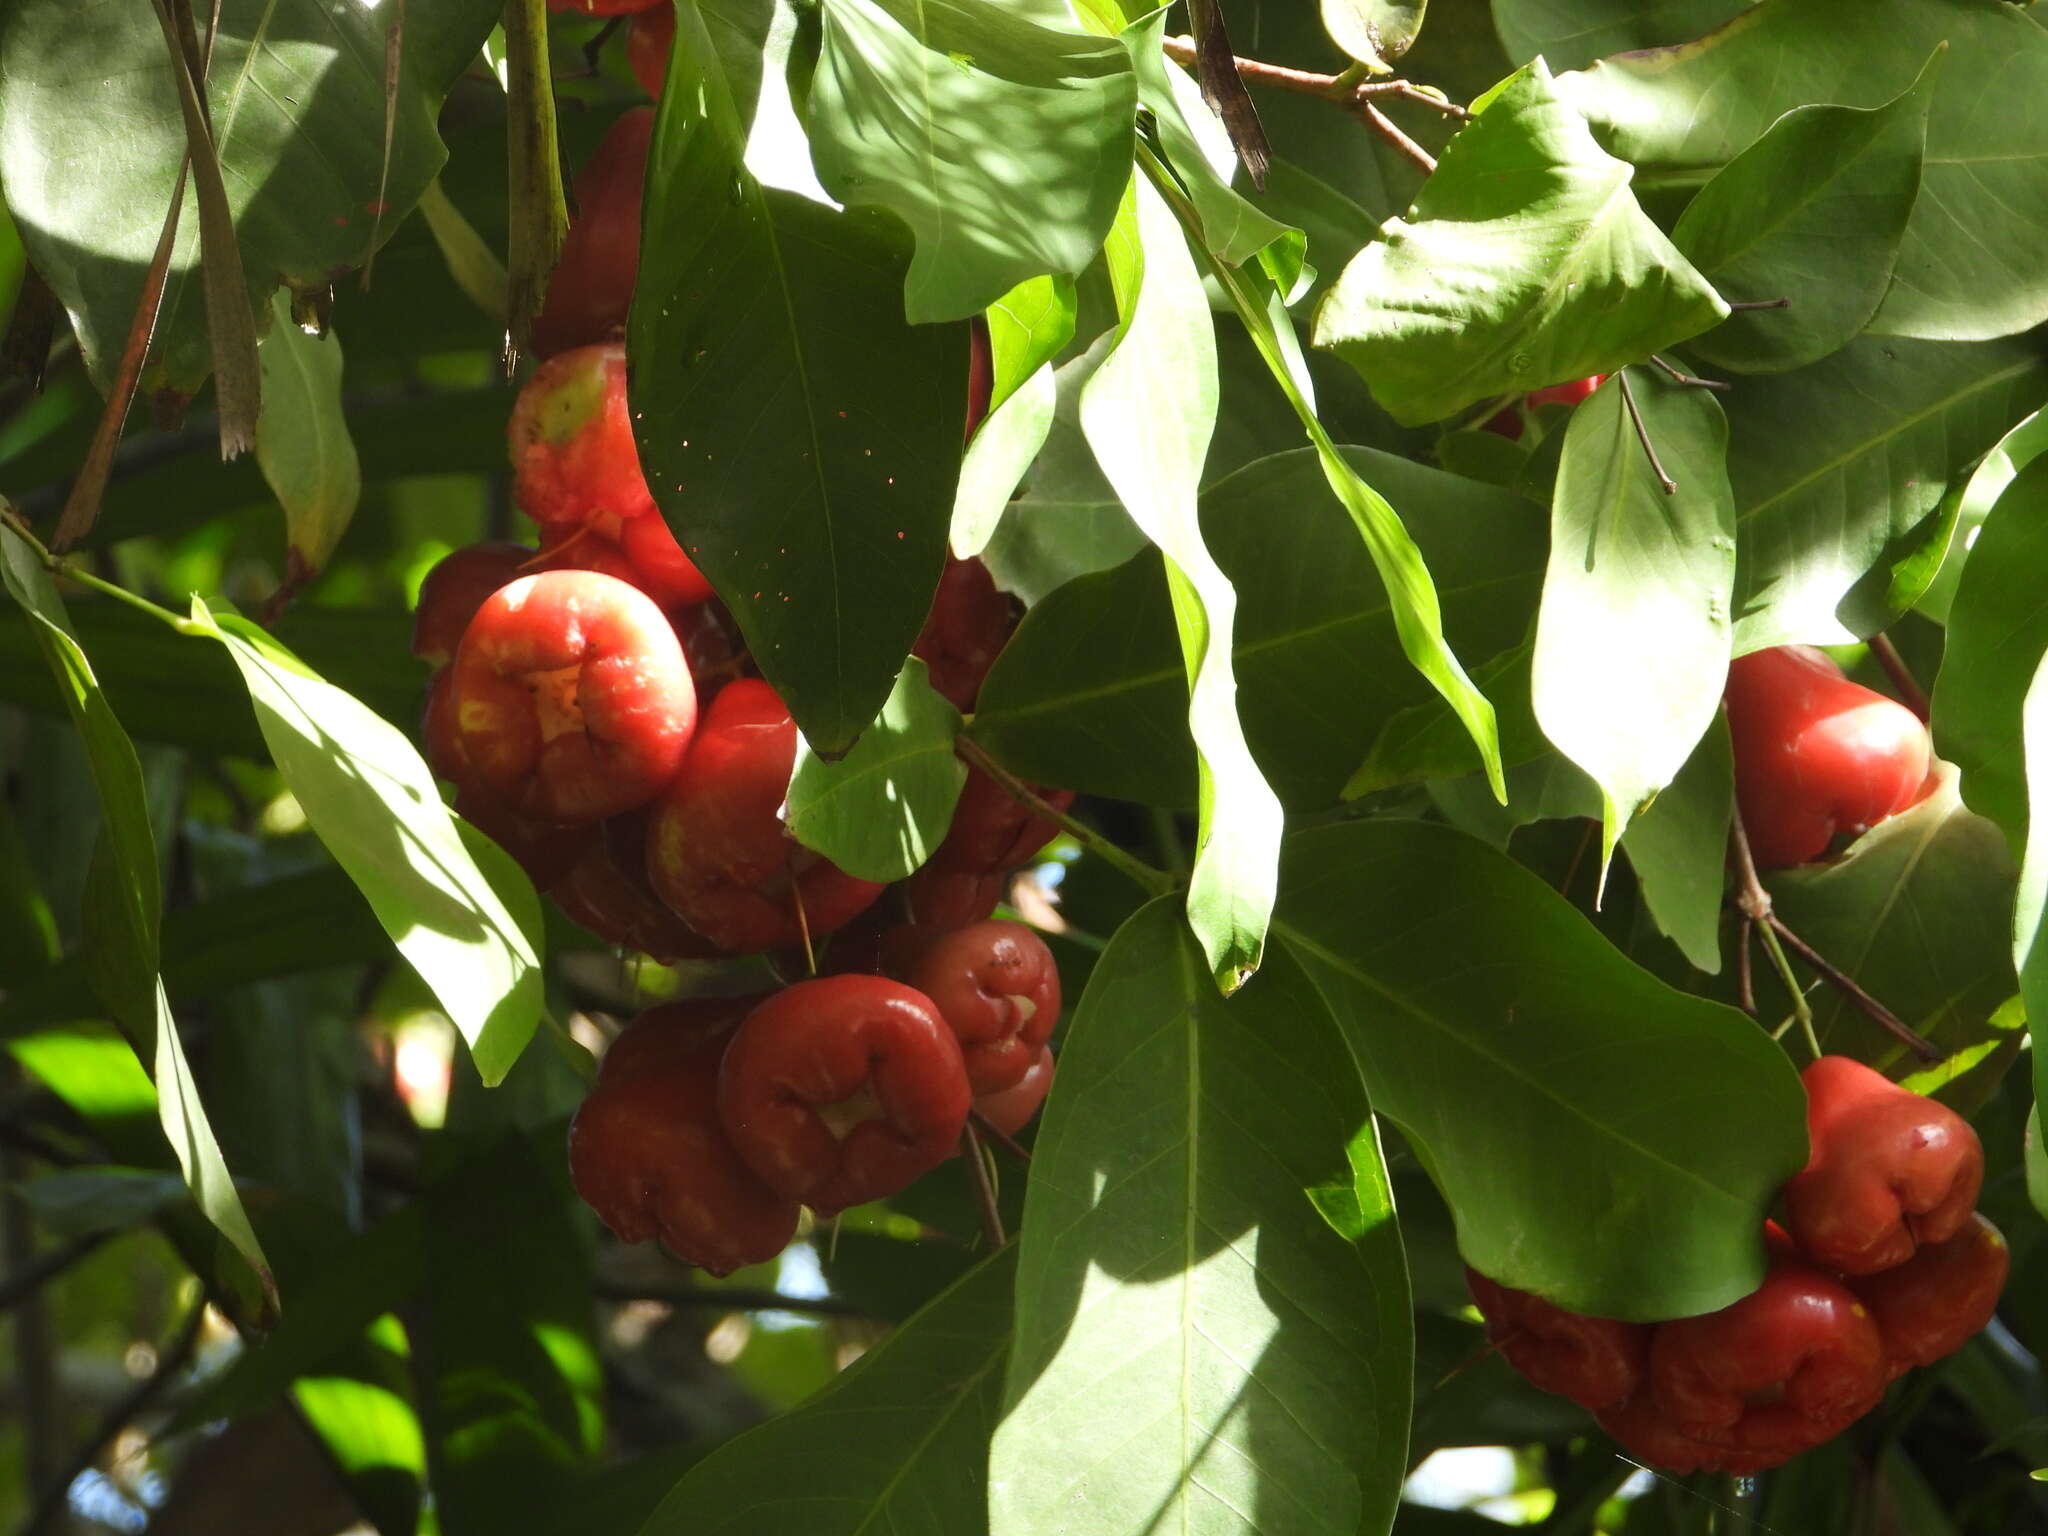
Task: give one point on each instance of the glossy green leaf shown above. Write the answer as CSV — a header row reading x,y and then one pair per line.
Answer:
x,y
1148,412
801,438
373,803
1679,849
898,1442
1967,269
1004,145
879,811
1188,1324
123,909
1519,1082
1839,469
1374,32
1088,691
296,90
1919,911
1526,262
1426,741
2030,906
1199,150
302,439
1813,211
1572,33
1027,328
1997,633
1632,639
1973,500
74,1202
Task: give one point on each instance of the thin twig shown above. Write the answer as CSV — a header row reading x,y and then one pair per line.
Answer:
x,y
1911,694
1383,125
1628,398
71,570
1867,1005
51,1506
1745,982
1755,304
1769,930
1688,380
1754,903
1156,881
984,1189
996,1134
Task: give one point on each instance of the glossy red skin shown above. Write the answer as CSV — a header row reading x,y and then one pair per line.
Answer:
x,y
580,547
1649,1437
873,1046
606,892
669,575
546,851
1508,423
1597,1362
1011,1109
997,988
981,374
969,623
940,899
571,441
571,698
1929,1306
591,288
647,1152
1887,1171
1816,755
717,852
1793,1363
648,47
453,591
992,832
440,742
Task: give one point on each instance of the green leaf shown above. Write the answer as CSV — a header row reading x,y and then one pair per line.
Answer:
x,y
373,803
1679,848
1526,263
1839,469
1573,33
1089,693
1633,637
123,908
1003,144
1997,633
1374,32
1973,502
802,440
76,1202
1919,912
1040,546
1199,149
2030,914
296,90
1149,411
1812,211
1506,1038
1185,1314
1968,268
1027,328
897,1442
1427,741
879,811
997,460
302,438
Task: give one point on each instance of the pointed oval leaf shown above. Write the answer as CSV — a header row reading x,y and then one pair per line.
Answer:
x,y
302,438
801,438
1633,636
1573,33
898,1442
1969,266
1508,1040
1185,1313
1004,145
296,90
1526,263
1813,211
879,811
373,803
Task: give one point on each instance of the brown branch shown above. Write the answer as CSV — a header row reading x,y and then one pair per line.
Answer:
x,y
984,1188
1869,1006
1223,89
1911,694
996,1134
1628,398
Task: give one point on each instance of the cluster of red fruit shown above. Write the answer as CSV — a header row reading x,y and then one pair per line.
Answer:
x,y
1881,1264
597,711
